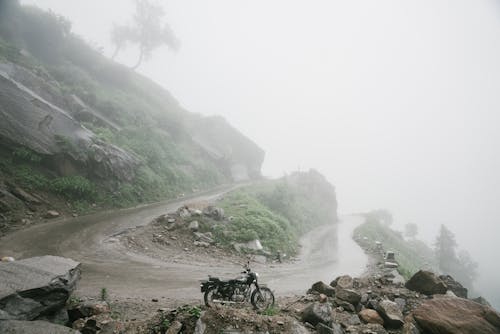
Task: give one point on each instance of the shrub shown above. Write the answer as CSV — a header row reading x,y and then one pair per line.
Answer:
x,y
73,187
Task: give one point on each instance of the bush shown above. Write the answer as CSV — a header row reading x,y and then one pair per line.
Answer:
x,y
25,154
73,187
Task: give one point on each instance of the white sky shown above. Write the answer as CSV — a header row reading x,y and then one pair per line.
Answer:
x,y
396,102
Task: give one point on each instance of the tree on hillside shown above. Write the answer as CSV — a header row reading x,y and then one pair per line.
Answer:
x,y
147,31
411,230
462,267
445,247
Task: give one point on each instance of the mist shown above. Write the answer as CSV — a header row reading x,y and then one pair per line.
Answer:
x,y
395,102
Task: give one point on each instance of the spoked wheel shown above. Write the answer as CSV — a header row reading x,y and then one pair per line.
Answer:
x,y
262,298
210,297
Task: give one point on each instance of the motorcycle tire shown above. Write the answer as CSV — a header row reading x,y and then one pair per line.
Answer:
x,y
209,296
262,299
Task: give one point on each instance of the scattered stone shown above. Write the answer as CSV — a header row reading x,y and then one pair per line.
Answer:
x,y
33,327
481,301
214,212
371,317
446,315
344,282
333,329
317,312
321,287
8,259
175,328
201,244
194,226
154,300
390,312
426,282
51,214
348,295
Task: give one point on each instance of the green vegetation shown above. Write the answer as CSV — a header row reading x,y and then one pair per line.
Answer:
x,y
278,212
134,114
271,311
104,294
412,255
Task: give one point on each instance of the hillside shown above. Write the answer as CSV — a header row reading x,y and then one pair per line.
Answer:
x,y
80,132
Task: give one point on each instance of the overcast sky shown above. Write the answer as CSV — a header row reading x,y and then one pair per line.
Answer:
x,y
396,102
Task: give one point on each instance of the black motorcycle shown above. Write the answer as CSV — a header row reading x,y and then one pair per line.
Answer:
x,y
242,289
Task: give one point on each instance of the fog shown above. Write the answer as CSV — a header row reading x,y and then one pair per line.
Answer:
x,y
396,102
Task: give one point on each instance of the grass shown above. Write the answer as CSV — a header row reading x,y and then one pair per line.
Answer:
x,y
412,255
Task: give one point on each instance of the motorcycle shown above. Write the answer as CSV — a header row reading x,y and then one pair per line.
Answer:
x,y
243,289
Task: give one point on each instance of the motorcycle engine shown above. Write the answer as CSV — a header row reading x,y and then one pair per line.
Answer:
x,y
239,294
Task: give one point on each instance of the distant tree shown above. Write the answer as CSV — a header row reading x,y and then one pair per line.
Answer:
x,y
445,248
411,230
120,37
381,215
147,31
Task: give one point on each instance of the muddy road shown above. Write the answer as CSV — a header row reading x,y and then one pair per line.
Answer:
x,y
326,252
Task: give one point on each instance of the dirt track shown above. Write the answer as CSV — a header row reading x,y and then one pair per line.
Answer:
x,y
125,274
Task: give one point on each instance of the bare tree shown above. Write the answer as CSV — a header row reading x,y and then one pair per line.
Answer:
x,y
147,31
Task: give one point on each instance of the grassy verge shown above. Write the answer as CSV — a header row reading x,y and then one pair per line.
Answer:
x,y
412,255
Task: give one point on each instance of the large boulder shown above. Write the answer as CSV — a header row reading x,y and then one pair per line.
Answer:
x,y
454,286
33,327
390,312
316,312
426,282
323,288
446,315
370,316
36,286
344,282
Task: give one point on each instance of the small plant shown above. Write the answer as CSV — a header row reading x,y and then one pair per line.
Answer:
x,y
73,187
25,154
271,311
194,311
104,294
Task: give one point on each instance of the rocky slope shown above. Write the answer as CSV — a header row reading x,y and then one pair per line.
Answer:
x,y
79,132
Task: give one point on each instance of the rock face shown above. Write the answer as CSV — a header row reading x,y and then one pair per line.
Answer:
x,y
33,327
426,282
456,316
36,286
29,120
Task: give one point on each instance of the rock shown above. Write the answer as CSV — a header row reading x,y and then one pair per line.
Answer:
x,y
396,278
367,329
388,264
345,319
456,316
317,312
348,295
51,214
344,282
323,298
253,245
324,329
410,328
183,212
201,244
481,301
427,283
90,327
33,327
345,305
370,317
36,286
323,288
200,327
214,212
194,226
175,328
28,119
88,309
390,312
298,328
22,195
204,237
8,259
454,286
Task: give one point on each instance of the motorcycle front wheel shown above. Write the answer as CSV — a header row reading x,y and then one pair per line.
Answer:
x,y
209,296
262,298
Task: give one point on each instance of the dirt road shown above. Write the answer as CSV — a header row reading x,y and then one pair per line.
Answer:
x,y
326,252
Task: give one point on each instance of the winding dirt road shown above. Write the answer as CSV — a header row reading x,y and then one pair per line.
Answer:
x,y
326,252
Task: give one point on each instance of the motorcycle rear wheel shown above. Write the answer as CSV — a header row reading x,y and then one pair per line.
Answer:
x,y
209,297
262,298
